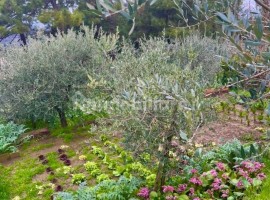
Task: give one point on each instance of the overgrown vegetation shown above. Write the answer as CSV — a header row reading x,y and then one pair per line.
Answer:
x,y
130,112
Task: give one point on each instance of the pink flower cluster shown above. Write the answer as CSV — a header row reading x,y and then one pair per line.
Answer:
x,y
220,166
213,173
144,193
251,166
195,180
225,193
216,183
261,176
194,171
182,188
249,170
171,197
167,188
240,184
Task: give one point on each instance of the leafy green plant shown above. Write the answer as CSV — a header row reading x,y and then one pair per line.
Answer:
x,y
119,170
103,138
65,170
98,151
102,177
78,178
108,144
145,157
112,165
90,166
106,159
124,188
95,172
9,135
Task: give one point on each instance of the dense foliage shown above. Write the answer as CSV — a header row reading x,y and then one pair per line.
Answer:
x,y
124,188
37,82
151,95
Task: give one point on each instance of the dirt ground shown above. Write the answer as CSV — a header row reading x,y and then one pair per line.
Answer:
x,y
227,128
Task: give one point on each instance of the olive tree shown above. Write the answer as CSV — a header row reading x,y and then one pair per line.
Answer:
x,y
156,98
38,81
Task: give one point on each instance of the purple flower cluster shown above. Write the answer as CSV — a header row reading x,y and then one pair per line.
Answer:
x,y
182,188
261,176
240,184
249,170
191,191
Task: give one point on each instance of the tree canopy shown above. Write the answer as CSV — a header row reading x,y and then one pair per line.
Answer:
x,y
38,83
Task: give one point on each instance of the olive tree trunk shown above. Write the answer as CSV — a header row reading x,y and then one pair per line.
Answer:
x,y
62,116
165,157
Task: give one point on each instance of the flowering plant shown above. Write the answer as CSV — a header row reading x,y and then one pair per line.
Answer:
x,y
221,182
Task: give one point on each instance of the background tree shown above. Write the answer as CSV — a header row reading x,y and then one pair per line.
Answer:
x,y
19,16
150,17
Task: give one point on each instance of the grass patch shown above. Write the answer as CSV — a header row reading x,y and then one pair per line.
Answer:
x,y
70,153
53,160
21,175
5,187
42,146
68,134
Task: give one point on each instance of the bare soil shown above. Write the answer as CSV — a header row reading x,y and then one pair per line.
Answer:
x,y
229,127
